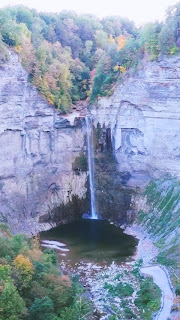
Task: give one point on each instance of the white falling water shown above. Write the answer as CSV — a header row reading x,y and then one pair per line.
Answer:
x,y
91,167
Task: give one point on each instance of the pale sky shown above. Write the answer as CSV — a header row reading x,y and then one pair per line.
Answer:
x,y
141,11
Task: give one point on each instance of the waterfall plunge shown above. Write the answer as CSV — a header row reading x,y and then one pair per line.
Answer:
x,y
91,167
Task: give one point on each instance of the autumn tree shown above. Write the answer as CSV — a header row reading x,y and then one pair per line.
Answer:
x,y
121,41
25,271
60,50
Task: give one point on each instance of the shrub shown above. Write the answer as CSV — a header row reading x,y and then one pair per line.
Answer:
x,y
129,314
177,289
148,297
121,290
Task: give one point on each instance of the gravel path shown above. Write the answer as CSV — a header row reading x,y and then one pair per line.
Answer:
x,y
146,250
161,279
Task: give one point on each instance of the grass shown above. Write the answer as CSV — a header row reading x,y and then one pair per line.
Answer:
x,y
162,258
163,200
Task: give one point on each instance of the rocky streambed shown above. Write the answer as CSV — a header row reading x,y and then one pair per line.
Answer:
x,y
117,285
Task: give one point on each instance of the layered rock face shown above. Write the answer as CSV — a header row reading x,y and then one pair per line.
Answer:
x,y
136,138
37,150
143,116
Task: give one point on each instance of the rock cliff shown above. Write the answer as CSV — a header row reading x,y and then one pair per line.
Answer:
x,y
43,173
143,116
38,148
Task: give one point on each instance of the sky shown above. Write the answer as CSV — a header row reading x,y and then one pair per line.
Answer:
x,y
140,11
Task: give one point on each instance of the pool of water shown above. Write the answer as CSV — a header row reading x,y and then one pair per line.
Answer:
x,y
91,241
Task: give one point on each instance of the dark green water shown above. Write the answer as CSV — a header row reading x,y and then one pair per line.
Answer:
x,y
92,240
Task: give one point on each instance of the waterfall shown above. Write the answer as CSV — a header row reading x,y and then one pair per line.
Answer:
x,y
91,167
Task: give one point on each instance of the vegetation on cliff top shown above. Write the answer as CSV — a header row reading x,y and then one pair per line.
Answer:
x,y
31,285
72,57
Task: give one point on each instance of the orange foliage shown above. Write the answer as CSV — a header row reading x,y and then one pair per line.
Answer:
x,y
63,280
35,254
121,41
28,54
92,75
51,81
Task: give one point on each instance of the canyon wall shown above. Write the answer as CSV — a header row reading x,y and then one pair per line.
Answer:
x,y
143,116
43,169
39,149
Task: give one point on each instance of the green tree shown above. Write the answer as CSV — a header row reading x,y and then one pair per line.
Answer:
x,y
149,39
42,309
11,304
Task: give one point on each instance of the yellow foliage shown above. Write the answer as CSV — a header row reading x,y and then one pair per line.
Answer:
x,y
25,269
35,242
120,68
121,41
111,39
116,68
23,264
18,49
5,271
50,97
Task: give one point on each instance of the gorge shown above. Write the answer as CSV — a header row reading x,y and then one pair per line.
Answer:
x,y
139,125
44,178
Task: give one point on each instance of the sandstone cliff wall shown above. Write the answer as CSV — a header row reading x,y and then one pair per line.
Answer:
x,y
37,150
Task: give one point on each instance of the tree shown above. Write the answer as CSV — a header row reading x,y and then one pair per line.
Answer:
x,y
42,309
11,304
170,31
121,41
79,311
149,38
5,272
24,15
25,271
167,37
101,39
